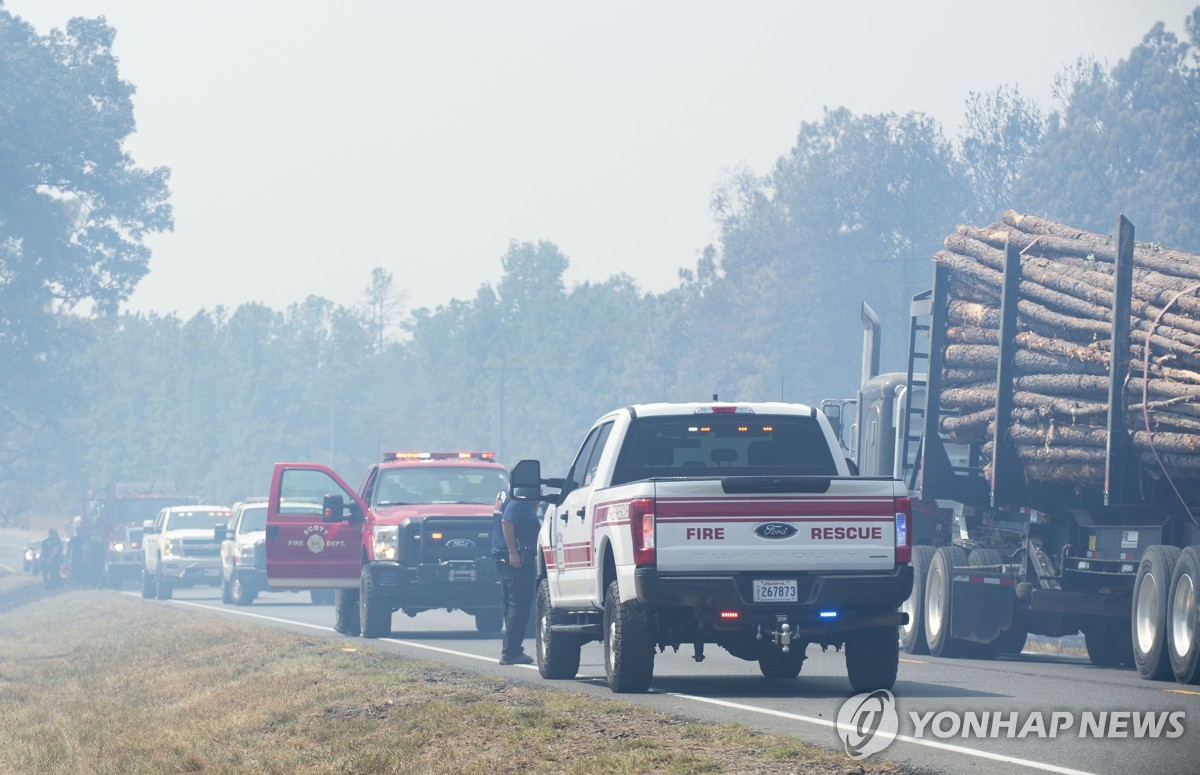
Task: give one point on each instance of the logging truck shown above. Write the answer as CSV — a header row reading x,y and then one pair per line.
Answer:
x,y
1047,428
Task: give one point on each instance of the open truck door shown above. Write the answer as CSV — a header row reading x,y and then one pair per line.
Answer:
x,y
314,529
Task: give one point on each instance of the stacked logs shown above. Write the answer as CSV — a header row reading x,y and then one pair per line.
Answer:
x,y
1064,317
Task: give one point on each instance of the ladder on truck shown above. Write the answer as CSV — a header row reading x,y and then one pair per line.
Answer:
x,y
927,467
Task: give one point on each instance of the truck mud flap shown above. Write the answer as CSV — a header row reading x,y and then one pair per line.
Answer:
x,y
982,607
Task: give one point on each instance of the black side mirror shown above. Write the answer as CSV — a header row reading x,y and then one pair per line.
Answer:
x,y
219,532
333,509
527,473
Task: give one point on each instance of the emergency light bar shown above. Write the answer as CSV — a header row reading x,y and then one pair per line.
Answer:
x,y
390,457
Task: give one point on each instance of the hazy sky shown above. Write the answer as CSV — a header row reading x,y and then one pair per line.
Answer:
x,y
312,141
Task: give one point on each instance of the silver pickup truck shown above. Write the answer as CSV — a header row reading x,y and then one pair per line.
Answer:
x,y
733,524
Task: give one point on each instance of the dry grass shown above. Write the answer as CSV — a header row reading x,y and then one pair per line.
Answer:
x,y
94,682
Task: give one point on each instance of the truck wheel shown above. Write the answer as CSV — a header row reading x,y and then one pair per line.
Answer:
x,y
1149,620
345,611
938,599
489,620
557,653
1183,630
979,558
628,643
241,595
226,591
321,596
148,586
872,659
912,635
162,587
374,613
776,665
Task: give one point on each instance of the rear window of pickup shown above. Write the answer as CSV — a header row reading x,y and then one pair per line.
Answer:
x,y
723,445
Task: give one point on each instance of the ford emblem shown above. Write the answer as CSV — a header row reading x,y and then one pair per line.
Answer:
x,y
462,543
775,530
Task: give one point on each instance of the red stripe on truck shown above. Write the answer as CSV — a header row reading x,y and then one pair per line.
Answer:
x,y
774,509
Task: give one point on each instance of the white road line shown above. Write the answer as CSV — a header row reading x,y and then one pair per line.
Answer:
x,y
7,569
467,654
706,700
246,613
903,738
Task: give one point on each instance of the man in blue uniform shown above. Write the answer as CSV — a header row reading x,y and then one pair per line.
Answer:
x,y
515,527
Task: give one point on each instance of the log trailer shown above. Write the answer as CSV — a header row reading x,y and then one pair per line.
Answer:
x,y
1040,513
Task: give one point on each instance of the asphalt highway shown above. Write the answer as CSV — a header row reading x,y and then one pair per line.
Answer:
x,y
725,689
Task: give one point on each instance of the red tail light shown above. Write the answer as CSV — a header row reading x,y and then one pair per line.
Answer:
x,y
903,530
641,526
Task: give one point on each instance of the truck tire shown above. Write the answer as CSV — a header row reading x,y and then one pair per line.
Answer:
x,y
345,611
241,595
628,643
1108,643
162,587
374,613
557,653
912,635
981,557
938,599
777,666
1183,626
1149,616
148,586
872,658
226,591
321,596
489,620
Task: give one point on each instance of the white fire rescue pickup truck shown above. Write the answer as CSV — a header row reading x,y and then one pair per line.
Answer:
x,y
735,524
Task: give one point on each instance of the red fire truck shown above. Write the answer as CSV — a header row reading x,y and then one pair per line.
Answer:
x,y
116,515
416,536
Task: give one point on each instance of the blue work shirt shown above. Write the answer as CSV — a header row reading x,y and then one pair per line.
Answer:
x,y
523,515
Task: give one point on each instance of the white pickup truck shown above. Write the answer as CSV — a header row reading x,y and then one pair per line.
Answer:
x,y
180,548
734,524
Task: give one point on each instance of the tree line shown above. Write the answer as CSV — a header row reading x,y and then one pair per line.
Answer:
x,y
852,211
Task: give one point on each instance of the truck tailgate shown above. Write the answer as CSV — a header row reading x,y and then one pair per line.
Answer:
x,y
699,527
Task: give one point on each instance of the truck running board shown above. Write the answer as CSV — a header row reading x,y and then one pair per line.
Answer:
x,y
577,629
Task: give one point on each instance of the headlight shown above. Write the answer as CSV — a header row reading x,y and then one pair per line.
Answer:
x,y
166,548
385,539
118,547
246,554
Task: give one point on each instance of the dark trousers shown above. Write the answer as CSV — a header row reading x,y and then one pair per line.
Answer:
x,y
518,599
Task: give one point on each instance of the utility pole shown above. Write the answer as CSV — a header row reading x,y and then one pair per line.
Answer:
x,y
502,370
